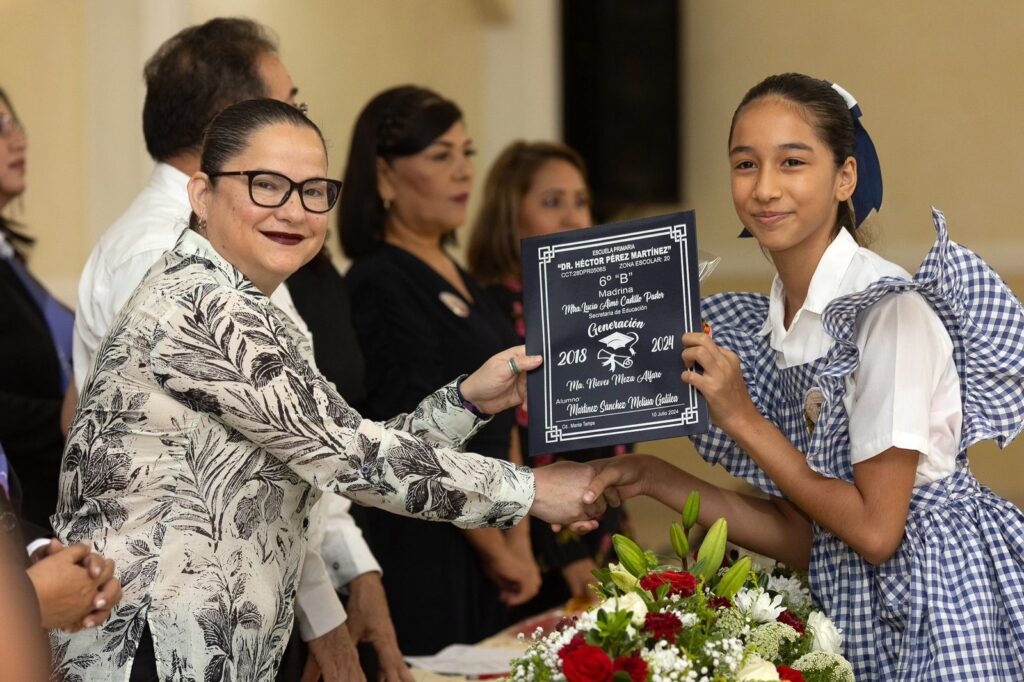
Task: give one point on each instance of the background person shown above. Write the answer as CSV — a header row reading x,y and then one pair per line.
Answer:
x,y
419,318
322,299
533,189
35,345
205,434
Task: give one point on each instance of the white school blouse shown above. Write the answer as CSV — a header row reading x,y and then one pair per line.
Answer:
x,y
906,392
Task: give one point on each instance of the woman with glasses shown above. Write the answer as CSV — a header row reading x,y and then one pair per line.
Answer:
x,y
205,432
35,344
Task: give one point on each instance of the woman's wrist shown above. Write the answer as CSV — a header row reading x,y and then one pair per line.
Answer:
x,y
467,404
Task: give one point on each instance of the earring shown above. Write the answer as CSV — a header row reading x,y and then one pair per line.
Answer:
x,y
387,204
201,223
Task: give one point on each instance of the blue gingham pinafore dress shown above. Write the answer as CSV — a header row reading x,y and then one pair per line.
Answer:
x,y
949,605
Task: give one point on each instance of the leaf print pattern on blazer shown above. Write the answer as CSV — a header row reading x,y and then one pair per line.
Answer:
x,y
203,437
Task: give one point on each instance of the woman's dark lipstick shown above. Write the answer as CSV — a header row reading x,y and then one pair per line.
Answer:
x,y
284,238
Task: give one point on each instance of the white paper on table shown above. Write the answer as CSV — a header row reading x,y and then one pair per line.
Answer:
x,y
467,660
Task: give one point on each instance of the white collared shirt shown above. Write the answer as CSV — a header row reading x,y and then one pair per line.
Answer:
x,y
119,261
906,392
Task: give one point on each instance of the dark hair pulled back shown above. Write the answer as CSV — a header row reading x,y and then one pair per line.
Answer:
x,y
231,131
400,121
827,112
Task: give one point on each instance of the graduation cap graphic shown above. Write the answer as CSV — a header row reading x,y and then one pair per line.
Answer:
x,y
619,351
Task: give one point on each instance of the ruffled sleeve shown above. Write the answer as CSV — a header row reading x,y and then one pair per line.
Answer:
x,y
985,322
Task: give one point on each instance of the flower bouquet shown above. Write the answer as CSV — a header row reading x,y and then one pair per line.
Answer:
x,y
703,622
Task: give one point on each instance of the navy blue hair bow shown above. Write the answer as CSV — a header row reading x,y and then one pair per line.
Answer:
x,y
868,195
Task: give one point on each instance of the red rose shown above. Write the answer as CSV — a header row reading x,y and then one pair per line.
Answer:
x,y
634,666
681,582
587,664
663,625
788,674
792,621
572,645
720,603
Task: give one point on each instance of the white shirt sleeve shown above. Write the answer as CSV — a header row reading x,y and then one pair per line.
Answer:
x,y
101,295
905,393
344,550
318,608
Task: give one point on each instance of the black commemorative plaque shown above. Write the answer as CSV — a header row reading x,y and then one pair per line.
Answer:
x,y
606,307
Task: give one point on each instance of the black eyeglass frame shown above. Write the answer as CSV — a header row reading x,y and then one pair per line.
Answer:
x,y
287,195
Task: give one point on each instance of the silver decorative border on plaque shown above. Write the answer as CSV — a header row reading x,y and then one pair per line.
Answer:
x,y
690,412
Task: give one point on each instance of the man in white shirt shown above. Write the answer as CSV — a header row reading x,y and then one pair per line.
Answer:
x,y
193,76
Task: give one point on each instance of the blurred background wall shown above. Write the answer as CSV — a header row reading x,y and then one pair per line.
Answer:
x,y
938,81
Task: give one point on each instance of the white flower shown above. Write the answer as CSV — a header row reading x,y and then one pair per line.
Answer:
x,y
758,605
826,637
790,588
756,668
631,602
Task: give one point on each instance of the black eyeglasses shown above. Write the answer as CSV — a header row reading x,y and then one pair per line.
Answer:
x,y
270,190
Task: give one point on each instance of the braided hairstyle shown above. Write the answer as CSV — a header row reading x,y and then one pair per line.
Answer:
x,y
401,121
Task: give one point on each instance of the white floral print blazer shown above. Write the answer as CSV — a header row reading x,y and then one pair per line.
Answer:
x,y
203,436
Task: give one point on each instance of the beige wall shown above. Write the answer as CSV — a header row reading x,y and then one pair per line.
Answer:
x,y
940,86
74,70
937,79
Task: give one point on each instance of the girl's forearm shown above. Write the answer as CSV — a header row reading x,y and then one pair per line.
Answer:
x,y
869,515
772,526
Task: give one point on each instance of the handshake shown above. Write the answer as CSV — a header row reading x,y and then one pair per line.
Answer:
x,y
576,494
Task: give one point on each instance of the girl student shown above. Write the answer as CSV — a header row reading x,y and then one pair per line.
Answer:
x,y
850,396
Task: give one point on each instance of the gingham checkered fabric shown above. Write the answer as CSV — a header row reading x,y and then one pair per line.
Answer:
x,y
949,605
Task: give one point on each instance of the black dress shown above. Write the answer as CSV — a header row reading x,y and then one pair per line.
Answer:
x,y
417,333
554,551
321,298
30,398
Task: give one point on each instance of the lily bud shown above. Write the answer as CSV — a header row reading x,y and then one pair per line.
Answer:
x,y
680,545
691,510
622,578
630,554
734,578
712,550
